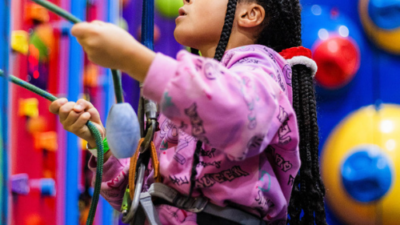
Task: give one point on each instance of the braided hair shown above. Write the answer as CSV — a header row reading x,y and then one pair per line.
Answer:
x,y
282,30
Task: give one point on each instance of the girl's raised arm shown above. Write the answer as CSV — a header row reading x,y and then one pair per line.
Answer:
x,y
239,109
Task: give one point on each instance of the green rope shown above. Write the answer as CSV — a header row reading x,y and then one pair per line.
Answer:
x,y
96,134
57,10
68,16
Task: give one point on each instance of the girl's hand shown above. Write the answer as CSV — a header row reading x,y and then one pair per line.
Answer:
x,y
110,46
105,44
74,116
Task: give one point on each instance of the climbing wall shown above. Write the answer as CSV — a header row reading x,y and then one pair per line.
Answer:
x,y
356,46
34,134
49,177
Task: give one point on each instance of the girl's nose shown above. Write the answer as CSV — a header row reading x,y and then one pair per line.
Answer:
x,y
186,1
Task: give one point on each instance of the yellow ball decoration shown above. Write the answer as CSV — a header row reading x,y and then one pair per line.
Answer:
x,y
365,127
387,39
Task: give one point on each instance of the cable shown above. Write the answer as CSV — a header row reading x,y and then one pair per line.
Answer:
x,y
96,134
116,75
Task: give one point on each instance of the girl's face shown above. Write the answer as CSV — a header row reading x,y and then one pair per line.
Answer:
x,y
200,23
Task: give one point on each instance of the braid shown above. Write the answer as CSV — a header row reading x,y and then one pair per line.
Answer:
x,y
307,180
295,200
320,189
226,30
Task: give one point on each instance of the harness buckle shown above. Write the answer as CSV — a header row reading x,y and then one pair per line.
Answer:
x,y
198,205
190,204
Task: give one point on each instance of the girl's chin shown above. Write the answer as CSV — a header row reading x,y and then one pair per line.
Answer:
x,y
182,38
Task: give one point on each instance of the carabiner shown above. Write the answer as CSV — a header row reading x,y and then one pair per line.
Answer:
x,y
149,137
129,216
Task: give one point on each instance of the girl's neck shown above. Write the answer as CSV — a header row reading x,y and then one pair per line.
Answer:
x,y
238,38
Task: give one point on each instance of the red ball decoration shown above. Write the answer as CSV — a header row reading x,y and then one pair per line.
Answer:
x,y
338,60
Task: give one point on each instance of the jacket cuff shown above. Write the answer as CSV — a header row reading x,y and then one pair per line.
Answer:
x,y
161,71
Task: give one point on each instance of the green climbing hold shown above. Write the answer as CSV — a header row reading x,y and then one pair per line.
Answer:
x,y
168,8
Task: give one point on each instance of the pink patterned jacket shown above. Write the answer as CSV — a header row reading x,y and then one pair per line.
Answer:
x,y
242,110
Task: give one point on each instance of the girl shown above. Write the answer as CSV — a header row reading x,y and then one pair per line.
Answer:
x,y
247,121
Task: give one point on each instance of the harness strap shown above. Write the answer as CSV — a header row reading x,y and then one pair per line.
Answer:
x,y
133,164
147,210
173,197
201,204
234,214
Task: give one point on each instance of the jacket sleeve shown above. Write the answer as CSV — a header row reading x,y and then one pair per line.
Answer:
x,y
114,181
235,110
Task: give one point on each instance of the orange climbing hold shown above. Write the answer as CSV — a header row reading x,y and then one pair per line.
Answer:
x,y
46,141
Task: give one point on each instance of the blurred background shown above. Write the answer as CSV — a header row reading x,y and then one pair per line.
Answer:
x,y
356,45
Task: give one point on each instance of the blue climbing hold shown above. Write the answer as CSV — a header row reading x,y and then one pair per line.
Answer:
x,y
385,14
47,187
367,174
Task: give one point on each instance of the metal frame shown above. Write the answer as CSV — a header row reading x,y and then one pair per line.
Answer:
x,y
5,8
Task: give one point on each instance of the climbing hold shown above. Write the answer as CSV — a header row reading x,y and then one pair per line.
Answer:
x,y
91,75
36,13
381,21
338,60
19,41
122,130
29,107
45,186
20,184
168,8
46,141
367,174
37,125
360,165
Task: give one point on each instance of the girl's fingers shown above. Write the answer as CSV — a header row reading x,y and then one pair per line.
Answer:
x,y
65,110
85,106
56,105
80,124
98,22
94,116
82,106
80,30
70,120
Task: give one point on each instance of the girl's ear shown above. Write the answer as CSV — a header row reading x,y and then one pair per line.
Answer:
x,y
250,15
